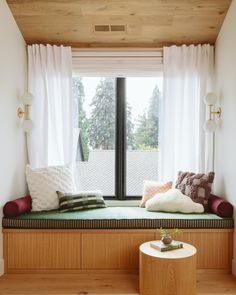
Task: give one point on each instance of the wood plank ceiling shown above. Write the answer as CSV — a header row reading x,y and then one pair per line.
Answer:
x,y
148,23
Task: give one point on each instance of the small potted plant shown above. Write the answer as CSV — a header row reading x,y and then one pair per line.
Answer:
x,y
166,235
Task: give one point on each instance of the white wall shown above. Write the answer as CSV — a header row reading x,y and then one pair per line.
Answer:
x,y
13,67
225,161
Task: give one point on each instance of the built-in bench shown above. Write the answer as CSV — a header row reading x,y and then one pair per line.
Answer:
x,y
108,239
116,218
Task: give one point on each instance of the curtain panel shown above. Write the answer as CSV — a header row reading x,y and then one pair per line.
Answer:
x,y
52,139
184,146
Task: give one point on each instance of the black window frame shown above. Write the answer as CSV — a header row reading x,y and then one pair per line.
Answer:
x,y
120,143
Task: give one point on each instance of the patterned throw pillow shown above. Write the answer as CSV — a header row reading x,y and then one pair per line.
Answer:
x,y
44,182
196,186
80,200
151,188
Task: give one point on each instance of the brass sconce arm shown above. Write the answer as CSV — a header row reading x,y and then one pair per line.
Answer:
x,y
213,113
21,113
210,124
25,111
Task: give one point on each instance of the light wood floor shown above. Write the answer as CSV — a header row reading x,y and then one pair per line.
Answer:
x,y
207,284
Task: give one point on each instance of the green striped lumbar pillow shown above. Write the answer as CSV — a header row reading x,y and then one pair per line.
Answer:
x,y
81,200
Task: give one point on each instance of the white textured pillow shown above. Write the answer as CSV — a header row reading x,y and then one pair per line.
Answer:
x,y
173,201
44,182
151,188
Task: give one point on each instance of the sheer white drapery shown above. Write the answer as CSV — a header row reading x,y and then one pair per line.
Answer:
x,y
52,138
188,72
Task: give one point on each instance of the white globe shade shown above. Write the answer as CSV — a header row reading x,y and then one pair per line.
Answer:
x,y
210,126
27,125
210,98
27,98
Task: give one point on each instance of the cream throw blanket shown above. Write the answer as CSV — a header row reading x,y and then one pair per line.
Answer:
x,y
173,201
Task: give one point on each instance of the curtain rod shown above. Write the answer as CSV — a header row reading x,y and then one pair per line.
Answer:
x,y
117,53
126,49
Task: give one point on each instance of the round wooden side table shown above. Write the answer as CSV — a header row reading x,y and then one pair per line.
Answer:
x,y
167,273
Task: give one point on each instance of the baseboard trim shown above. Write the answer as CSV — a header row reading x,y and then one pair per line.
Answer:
x,y
213,271
234,267
72,271
101,271
1,267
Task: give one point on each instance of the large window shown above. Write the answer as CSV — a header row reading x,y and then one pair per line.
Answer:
x,y
118,143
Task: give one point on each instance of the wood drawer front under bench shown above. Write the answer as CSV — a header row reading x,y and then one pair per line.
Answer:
x,y
36,251
42,250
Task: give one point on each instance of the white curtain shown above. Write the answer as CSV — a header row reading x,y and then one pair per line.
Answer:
x,y
184,146
52,139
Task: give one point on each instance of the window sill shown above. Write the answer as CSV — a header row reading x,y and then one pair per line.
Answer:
x,y
125,203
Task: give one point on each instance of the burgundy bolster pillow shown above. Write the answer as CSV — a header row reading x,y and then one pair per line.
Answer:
x,y
220,206
17,207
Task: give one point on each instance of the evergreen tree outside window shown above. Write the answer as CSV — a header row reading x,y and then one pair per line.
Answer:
x,y
146,136
83,122
102,121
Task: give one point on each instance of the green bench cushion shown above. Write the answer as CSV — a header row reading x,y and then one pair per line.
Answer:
x,y
115,217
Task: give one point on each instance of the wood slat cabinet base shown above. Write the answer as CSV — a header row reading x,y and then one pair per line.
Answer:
x,y
35,251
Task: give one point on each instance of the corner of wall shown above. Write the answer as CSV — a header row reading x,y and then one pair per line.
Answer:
x,y
1,253
225,65
13,76
1,267
234,267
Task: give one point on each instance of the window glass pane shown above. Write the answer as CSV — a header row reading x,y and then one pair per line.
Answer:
x,y
96,147
143,97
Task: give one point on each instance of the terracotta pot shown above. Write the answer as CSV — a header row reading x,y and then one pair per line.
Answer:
x,y
166,240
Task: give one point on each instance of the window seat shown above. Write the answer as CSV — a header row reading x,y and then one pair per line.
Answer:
x,y
69,242
116,218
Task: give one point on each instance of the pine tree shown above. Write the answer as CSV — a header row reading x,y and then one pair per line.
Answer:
x,y
103,118
102,121
130,137
146,136
153,117
142,139
83,122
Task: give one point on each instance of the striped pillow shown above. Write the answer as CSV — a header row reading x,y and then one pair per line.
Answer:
x,y
80,200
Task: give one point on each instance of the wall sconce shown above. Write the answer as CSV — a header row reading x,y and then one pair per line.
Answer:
x,y
210,100
27,100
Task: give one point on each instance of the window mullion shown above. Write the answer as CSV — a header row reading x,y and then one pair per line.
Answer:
x,y
120,139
